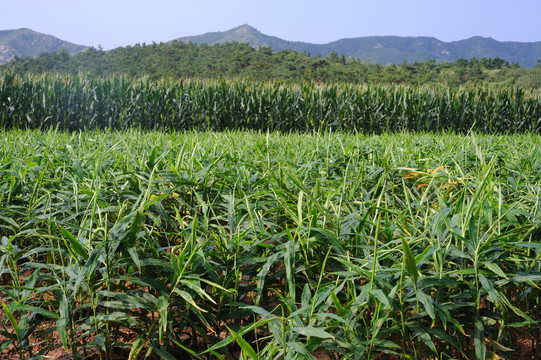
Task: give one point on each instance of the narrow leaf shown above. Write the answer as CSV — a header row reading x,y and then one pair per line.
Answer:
x,y
427,302
411,265
479,341
74,245
246,348
11,319
312,331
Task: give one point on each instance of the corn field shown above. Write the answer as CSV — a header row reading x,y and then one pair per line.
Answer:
x,y
246,245
83,103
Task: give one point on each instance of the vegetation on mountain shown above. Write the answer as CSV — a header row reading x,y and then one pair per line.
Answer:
x,y
26,42
386,49
244,52
235,60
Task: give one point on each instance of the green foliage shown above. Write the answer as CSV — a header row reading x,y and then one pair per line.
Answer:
x,y
179,60
207,245
382,49
84,102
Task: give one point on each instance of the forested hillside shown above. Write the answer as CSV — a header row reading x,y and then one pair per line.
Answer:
x,y
385,49
235,60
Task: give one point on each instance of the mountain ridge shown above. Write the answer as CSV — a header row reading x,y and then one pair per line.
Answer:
x,y
390,49
386,50
27,42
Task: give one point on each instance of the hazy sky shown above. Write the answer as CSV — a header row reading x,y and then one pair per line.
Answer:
x,y
114,23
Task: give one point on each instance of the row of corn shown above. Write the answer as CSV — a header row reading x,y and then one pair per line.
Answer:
x,y
84,102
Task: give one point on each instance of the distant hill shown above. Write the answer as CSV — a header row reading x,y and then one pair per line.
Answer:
x,y
375,49
385,49
26,42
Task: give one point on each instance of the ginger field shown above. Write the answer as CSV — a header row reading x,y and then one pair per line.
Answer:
x,y
242,244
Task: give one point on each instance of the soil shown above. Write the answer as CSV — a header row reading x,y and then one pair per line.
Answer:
x,y
524,346
523,352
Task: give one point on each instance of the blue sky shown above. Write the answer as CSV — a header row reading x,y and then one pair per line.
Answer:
x,y
114,23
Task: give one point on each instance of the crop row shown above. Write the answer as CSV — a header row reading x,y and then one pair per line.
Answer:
x,y
202,245
82,102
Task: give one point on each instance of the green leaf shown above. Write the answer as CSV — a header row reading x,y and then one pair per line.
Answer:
x,y
496,269
189,299
177,343
479,341
151,162
11,320
339,307
5,344
327,237
277,330
289,262
299,209
130,301
136,347
411,264
306,296
35,309
134,256
426,254
489,288
11,222
306,192
74,245
516,310
135,228
78,168
119,231
499,347
162,354
445,315
163,307
424,336
427,302
96,257
526,278
145,281
270,321
120,317
299,349
445,337
63,308
154,199
312,331
246,348
378,294
62,328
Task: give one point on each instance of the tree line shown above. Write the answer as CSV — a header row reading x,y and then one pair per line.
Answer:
x,y
236,60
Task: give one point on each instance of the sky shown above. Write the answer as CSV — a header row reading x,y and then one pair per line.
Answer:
x,y
114,23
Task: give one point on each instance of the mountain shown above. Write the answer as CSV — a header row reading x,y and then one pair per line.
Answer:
x,y
385,49
375,49
26,42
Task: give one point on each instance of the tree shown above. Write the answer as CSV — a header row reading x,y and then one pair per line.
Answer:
x,y
333,57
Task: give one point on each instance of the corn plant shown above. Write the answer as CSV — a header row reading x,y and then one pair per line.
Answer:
x,y
84,102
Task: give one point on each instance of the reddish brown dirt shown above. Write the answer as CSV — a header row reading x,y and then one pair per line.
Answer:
x,y
523,351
